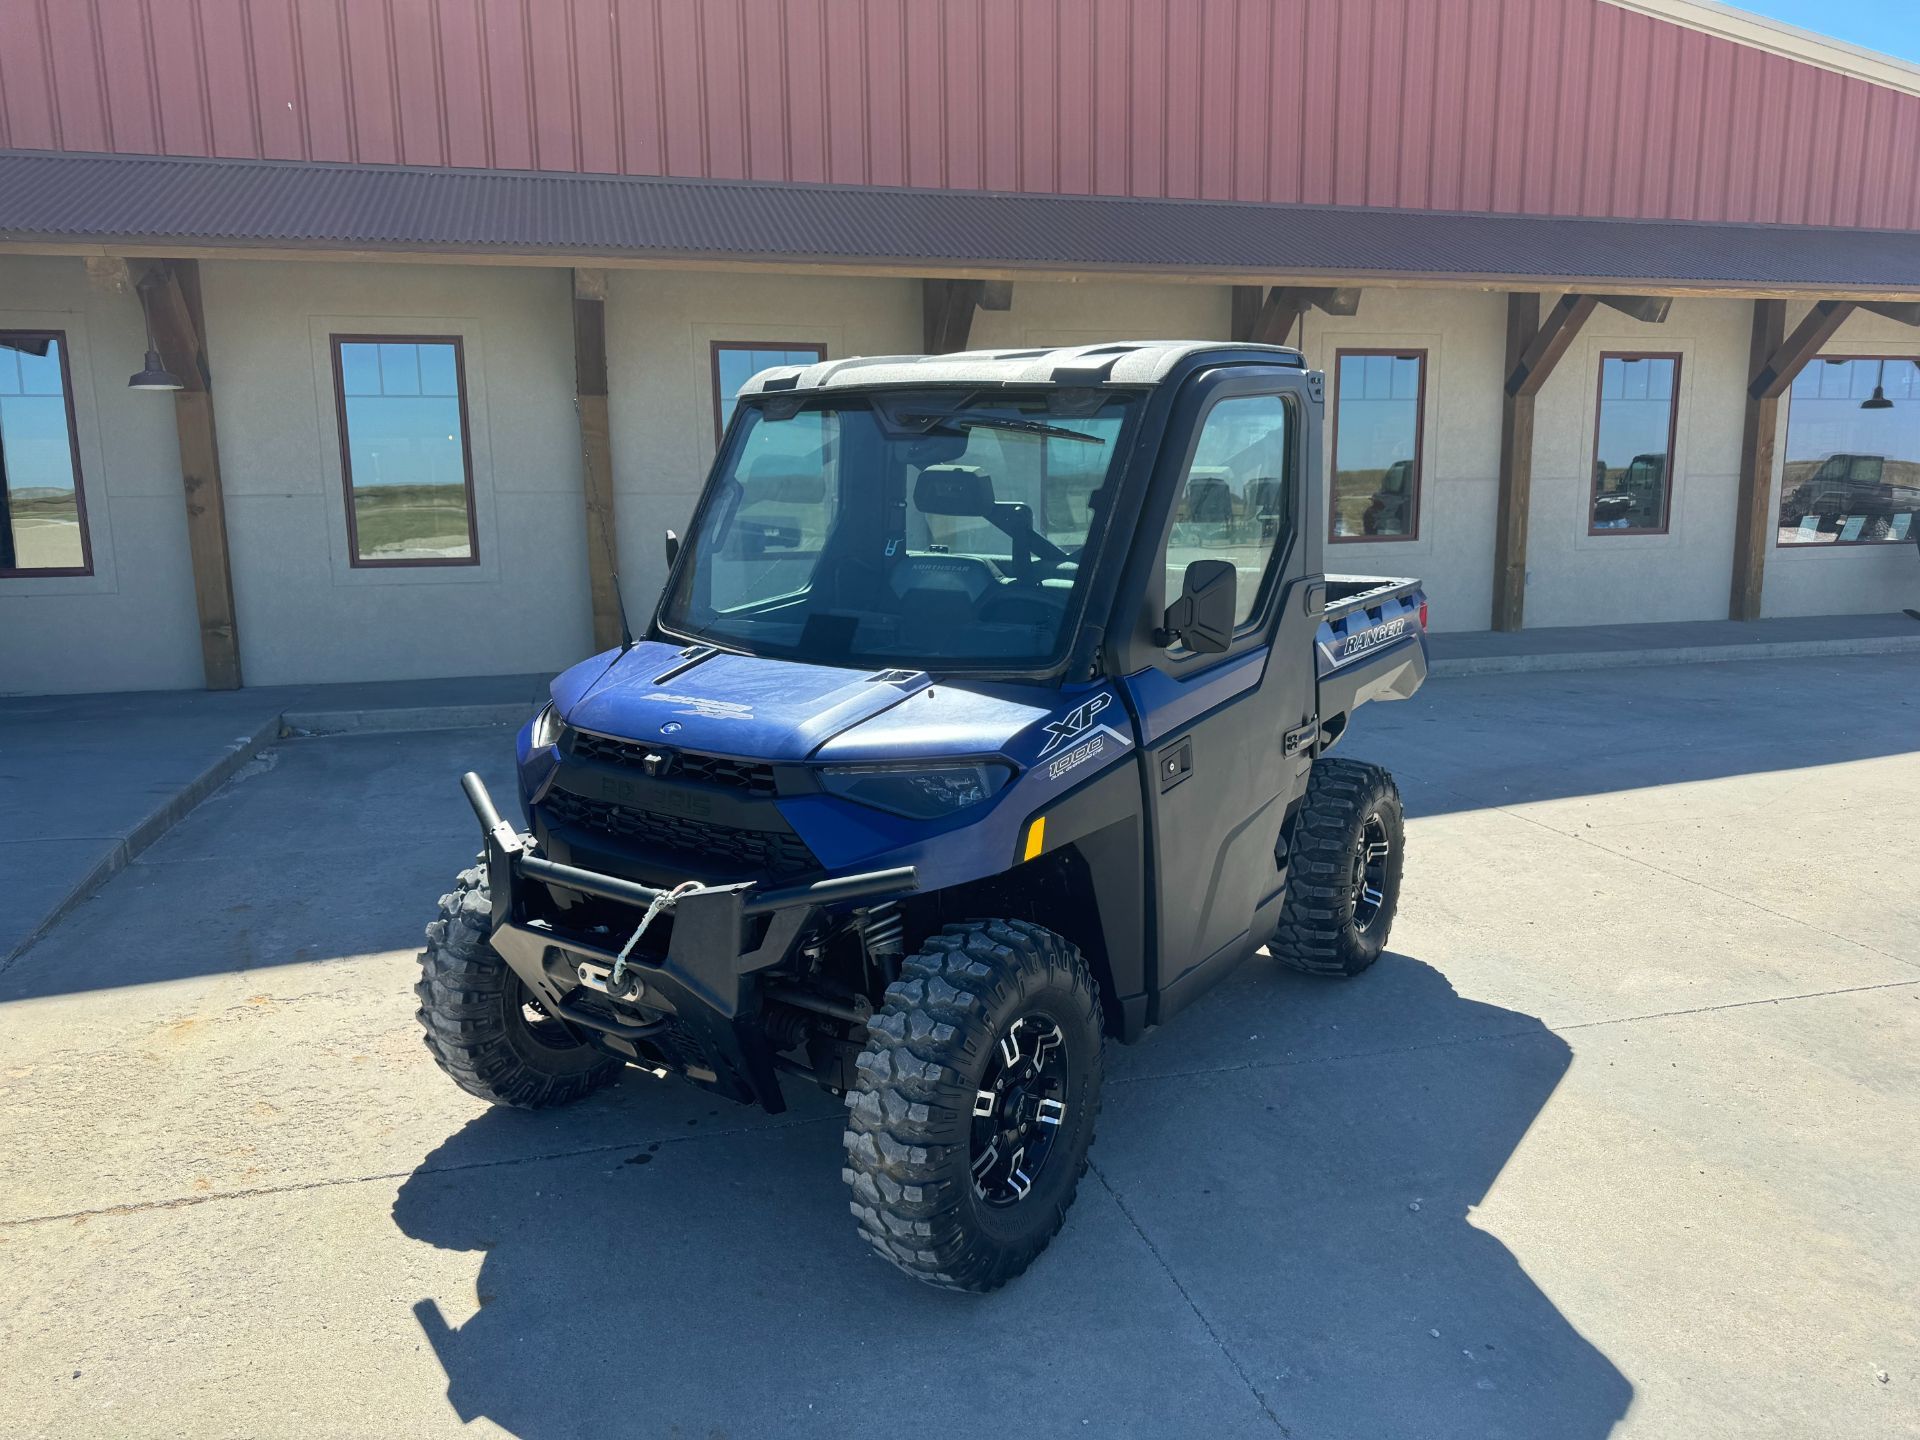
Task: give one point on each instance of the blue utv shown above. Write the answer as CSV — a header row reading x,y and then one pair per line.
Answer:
x,y
983,719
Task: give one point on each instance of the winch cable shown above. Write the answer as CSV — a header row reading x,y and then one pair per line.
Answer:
x,y
666,900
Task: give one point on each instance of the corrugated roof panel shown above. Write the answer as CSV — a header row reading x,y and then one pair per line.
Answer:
x,y
54,198
1636,108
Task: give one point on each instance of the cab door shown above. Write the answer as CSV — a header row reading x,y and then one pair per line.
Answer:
x,y
1226,739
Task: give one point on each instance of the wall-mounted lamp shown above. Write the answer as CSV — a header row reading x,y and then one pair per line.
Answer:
x,y
1878,400
153,375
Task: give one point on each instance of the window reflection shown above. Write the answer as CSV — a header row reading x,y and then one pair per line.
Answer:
x,y
404,437
737,361
1235,504
1852,470
1633,442
1376,444
42,519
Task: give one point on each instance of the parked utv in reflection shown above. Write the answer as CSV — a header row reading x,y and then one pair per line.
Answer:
x,y
1846,487
964,740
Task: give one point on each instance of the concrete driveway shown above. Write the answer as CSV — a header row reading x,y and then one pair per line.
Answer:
x,y
1619,1140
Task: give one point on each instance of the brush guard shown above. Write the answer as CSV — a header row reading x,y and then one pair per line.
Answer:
x,y
702,995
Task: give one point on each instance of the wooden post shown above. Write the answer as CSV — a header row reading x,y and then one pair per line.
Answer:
x,y
1244,312
170,295
1776,370
948,306
596,452
1516,470
1533,350
1753,503
1267,317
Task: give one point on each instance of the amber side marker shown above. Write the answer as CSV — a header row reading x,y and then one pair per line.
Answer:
x,y
1036,837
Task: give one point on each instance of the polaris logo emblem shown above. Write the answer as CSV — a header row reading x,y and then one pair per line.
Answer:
x,y
1059,732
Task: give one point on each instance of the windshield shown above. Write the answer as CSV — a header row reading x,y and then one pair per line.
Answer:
x,y
920,528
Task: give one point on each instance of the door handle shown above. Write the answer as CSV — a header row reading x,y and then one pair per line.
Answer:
x,y
1316,597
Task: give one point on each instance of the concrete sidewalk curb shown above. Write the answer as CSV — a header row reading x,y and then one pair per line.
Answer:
x,y
315,724
292,724
162,818
1674,655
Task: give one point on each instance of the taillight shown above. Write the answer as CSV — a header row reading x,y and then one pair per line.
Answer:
x,y
1423,614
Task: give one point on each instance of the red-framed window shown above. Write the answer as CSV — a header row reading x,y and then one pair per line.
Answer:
x,y
405,462
43,506
737,361
1379,416
1635,423
1851,472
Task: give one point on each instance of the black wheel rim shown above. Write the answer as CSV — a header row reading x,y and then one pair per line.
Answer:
x,y
545,1031
1019,1109
1369,878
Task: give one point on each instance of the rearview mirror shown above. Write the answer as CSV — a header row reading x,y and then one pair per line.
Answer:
x,y
1202,618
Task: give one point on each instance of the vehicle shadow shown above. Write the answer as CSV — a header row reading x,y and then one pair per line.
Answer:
x,y
709,1283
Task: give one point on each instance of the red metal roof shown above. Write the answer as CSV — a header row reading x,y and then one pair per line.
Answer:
x,y
1562,107
158,203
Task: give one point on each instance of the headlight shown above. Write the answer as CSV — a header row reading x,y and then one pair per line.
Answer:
x,y
546,727
921,792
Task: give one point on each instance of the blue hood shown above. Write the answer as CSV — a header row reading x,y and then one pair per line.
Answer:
x,y
739,705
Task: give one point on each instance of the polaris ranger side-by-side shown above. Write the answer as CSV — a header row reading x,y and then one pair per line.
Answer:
x,y
983,718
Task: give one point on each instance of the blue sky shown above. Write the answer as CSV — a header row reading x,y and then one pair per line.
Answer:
x,y
1884,25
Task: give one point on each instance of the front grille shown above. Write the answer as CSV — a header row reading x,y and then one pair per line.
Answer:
x,y
749,777
744,852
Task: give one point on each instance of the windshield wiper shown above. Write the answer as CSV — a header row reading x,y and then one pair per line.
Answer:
x,y
999,422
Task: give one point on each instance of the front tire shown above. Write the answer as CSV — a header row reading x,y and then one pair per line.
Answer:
x,y
974,1104
1343,871
483,1027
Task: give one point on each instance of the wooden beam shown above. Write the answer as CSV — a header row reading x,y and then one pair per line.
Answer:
x,y
1279,313
1477,281
169,292
1907,313
1343,301
1753,523
1526,375
596,453
1245,309
1771,379
948,307
1651,308
1516,467
1269,318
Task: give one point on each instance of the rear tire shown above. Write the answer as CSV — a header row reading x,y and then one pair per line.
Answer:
x,y
482,1025
974,1103
1342,888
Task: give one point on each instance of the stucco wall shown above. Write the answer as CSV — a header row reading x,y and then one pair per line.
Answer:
x,y
1619,578
1464,335
130,625
305,612
1841,579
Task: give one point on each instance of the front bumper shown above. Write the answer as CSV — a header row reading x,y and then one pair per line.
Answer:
x,y
694,1004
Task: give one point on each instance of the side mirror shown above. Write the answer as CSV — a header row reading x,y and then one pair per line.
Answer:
x,y
673,548
1202,618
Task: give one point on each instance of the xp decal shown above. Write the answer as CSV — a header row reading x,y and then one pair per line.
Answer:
x,y
1077,720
